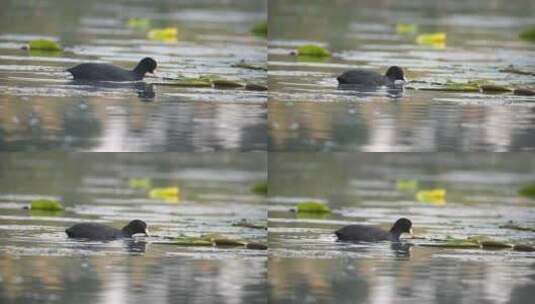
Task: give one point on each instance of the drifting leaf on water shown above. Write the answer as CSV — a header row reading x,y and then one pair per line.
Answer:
x,y
247,224
527,191
513,226
492,88
46,205
523,247
435,196
139,183
255,87
407,185
168,34
524,92
528,34
260,29
433,39
44,45
260,188
406,28
138,23
242,64
313,207
169,194
312,51
221,83
256,246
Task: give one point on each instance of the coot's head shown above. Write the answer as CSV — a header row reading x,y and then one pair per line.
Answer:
x,y
395,73
134,227
402,225
146,65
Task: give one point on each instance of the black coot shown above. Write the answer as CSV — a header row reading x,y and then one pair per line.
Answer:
x,y
370,78
94,231
362,233
108,72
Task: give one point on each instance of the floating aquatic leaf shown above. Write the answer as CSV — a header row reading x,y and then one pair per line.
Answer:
x,y
247,224
255,87
492,88
191,83
242,64
406,28
229,243
169,194
46,205
312,207
491,244
260,29
168,34
524,92
260,188
139,183
138,23
523,247
433,39
44,45
192,241
435,196
312,51
221,83
527,191
513,226
407,185
256,246
528,34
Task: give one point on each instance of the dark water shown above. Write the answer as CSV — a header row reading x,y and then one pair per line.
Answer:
x,y
307,265
309,113
38,263
41,109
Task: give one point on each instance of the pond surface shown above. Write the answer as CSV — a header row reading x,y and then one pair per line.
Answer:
x,y
42,109
309,112
39,263
307,264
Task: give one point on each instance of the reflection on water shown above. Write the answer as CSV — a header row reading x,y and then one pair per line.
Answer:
x,y
309,112
41,108
39,263
308,265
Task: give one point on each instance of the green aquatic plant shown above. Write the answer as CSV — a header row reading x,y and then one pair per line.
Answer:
x,y
168,34
528,34
44,45
260,29
527,191
139,183
255,87
222,83
138,23
260,188
434,196
312,50
46,205
312,207
406,28
168,194
408,185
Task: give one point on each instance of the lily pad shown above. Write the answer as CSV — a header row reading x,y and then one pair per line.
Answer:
x,y
435,196
528,34
312,51
255,87
229,243
221,83
431,38
168,194
406,28
260,29
527,191
492,88
491,244
256,246
46,205
260,188
168,34
139,183
312,207
408,185
44,45
138,23
247,224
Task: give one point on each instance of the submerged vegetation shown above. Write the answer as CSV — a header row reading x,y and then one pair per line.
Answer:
x,y
45,205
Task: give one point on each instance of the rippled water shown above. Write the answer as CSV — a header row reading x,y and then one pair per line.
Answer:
x,y
39,263
308,265
41,109
309,112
